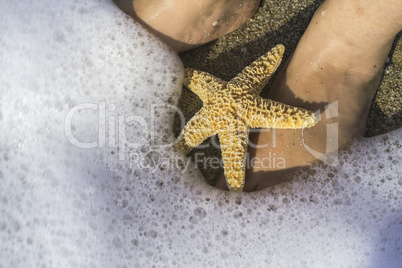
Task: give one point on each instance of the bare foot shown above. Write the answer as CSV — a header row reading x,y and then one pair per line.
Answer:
x,y
187,24
336,69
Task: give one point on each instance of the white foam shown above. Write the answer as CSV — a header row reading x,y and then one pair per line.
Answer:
x,y
67,206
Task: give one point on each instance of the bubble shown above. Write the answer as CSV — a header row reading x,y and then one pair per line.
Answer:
x,y
358,179
200,212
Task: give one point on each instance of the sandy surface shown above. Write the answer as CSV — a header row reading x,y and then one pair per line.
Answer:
x,y
281,22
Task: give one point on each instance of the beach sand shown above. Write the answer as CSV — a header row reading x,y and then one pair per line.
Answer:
x,y
278,22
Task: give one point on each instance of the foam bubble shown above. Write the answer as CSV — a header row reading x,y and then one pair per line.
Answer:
x,y
64,205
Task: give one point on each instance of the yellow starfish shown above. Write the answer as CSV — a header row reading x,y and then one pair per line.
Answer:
x,y
231,108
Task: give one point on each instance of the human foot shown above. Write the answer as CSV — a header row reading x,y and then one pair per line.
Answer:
x,y
335,70
187,24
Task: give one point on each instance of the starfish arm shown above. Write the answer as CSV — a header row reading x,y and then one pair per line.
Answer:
x,y
254,77
199,128
266,113
234,149
181,145
202,83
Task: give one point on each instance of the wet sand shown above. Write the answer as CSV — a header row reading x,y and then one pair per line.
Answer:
x,y
280,22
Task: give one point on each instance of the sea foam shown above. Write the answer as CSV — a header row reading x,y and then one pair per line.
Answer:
x,y
87,101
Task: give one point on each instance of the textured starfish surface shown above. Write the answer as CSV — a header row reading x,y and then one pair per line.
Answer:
x,y
231,108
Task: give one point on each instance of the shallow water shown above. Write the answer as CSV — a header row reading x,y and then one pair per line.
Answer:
x,y
86,98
